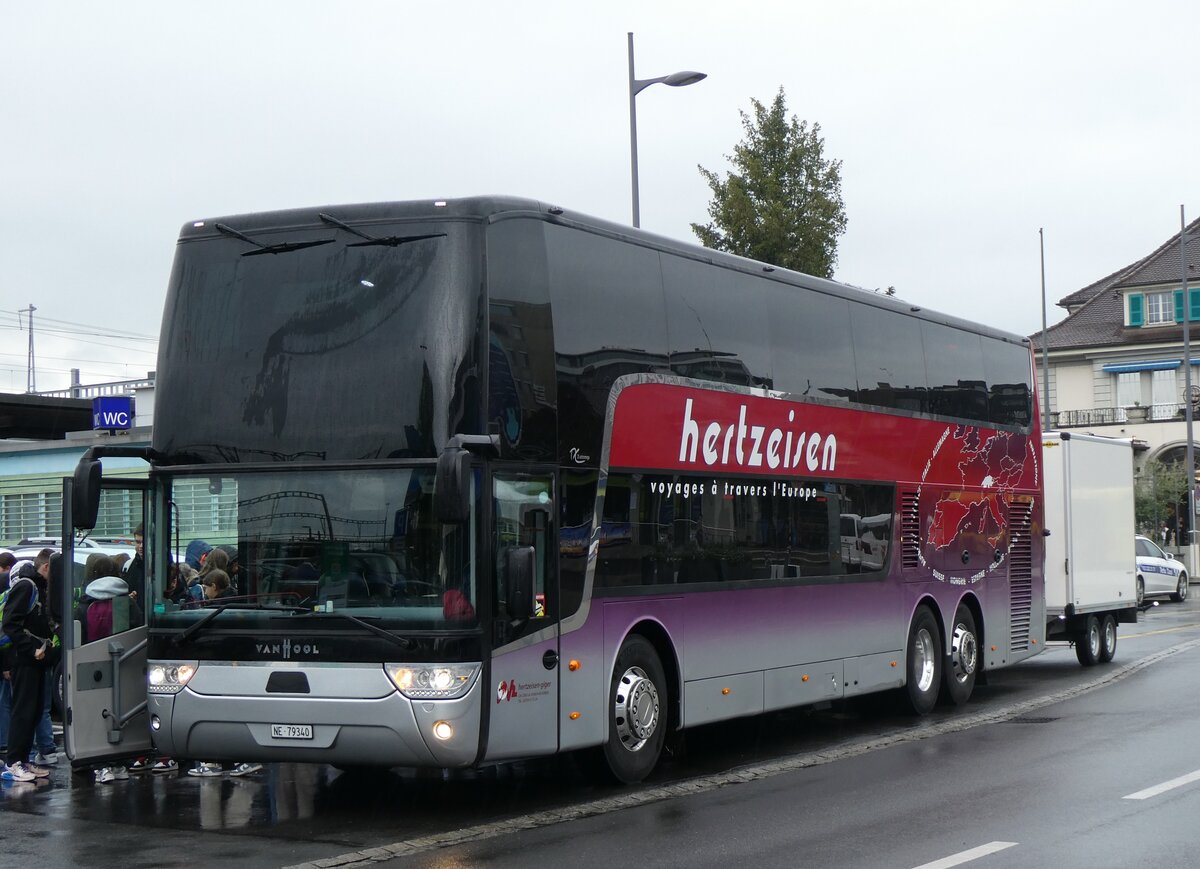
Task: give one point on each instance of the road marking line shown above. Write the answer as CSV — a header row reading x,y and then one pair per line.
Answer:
x,y
967,856
1164,787
839,751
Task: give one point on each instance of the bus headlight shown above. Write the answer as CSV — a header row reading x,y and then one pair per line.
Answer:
x,y
432,681
169,677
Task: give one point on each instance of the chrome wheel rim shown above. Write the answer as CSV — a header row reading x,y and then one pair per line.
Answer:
x,y
1093,639
635,709
964,654
1183,588
1110,633
924,659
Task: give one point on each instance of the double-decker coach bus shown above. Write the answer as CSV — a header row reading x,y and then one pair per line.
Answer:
x,y
504,480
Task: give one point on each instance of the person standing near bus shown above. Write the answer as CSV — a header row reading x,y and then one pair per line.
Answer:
x,y
27,625
7,560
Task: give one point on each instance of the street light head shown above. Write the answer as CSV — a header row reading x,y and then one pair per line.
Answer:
x,y
684,78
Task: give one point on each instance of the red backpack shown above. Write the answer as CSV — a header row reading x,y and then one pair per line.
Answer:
x,y
99,620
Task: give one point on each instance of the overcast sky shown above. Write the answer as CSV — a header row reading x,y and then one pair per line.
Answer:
x,y
962,127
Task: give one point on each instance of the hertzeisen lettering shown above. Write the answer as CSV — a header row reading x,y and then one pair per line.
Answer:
x,y
752,446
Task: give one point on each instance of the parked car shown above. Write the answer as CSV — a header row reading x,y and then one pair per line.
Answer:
x,y
1158,573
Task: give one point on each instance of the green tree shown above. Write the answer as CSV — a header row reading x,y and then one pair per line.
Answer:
x,y
783,203
1159,492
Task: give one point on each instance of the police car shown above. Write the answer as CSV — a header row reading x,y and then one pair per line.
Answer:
x,y
1158,573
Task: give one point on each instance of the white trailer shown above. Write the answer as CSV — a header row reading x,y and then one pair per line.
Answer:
x,y
1090,570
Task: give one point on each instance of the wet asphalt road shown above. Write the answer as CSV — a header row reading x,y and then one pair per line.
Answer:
x,y
295,813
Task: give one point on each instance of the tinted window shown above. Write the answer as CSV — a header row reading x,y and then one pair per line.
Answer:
x,y
889,358
810,341
954,363
577,504
717,323
668,530
1008,373
609,320
521,385
323,353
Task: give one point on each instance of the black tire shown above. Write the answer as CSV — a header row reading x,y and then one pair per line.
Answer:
x,y
1108,638
1181,590
637,710
1141,590
923,664
57,703
1087,643
962,664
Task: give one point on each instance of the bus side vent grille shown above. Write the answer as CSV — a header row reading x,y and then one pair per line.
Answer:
x,y
910,531
1020,574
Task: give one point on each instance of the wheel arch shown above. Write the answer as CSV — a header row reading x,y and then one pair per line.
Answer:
x,y
658,637
930,603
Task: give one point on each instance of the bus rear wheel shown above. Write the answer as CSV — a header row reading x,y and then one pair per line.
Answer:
x,y
962,663
637,702
923,663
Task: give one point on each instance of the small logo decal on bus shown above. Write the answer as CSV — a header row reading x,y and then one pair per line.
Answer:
x,y
287,649
506,690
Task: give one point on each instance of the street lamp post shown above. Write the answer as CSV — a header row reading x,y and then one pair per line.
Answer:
x,y
636,86
1190,457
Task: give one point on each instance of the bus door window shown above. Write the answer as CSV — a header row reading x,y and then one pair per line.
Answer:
x,y
523,509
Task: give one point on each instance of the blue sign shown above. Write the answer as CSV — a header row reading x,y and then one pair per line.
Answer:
x,y
112,412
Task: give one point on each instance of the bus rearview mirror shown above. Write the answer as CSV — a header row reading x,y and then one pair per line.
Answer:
x,y
85,494
452,487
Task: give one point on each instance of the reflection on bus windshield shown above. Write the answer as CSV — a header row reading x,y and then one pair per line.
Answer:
x,y
326,541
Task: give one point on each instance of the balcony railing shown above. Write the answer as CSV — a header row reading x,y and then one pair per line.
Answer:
x,y
1093,416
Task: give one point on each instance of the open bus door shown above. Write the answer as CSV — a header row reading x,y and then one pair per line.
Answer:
x,y
104,679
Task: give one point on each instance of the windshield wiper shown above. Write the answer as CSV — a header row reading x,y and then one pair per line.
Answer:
x,y
200,623
195,626
386,241
282,247
402,642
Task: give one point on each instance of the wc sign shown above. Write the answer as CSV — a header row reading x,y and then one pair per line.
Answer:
x,y
112,412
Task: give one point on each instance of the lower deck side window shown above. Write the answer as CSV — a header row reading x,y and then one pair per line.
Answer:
x,y
674,529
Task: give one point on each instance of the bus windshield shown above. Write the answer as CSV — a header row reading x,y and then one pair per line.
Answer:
x,y
278,543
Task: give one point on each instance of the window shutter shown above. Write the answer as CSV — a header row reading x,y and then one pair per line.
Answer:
x,y
1135,309
1194,303
1178,306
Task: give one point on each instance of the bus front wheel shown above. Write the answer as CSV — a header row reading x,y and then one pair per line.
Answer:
x,y
924,663
637,702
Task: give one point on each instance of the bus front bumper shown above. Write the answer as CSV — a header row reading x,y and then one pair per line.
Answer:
x,y
352,716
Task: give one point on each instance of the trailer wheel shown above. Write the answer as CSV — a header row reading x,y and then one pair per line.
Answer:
x,y
638,705
1141,590
959,669
1181,589
1087,643
924,663
1108,638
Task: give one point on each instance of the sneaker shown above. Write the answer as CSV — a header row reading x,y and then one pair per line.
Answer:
x,y
39,771
206,770
246,769
105,776
17,772
165,765
45,759
140,765
121,773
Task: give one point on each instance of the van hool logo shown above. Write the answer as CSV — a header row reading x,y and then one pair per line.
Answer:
x,y
288,649
744,444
